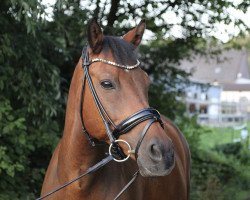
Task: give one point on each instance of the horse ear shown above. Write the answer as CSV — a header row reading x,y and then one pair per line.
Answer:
x,y
95,36
134,36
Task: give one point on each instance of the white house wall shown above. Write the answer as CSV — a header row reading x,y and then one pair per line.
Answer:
x,y
214,98
235,96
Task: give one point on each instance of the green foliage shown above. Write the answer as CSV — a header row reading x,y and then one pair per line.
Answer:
x,y
221,172
30,101
230,149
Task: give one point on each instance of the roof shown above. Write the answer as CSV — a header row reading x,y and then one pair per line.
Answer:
x,y
236,87
229,67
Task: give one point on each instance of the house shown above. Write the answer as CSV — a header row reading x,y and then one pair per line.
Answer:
x,y
219,93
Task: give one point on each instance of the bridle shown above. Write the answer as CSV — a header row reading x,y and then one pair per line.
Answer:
x,y
123,127
113,131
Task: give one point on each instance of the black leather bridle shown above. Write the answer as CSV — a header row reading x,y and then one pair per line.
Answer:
x,y
115,151
123,127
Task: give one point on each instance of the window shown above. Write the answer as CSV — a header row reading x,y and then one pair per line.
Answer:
x,y
228,108
203,109
192,108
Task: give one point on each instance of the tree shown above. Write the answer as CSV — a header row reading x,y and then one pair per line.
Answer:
x,y
30,101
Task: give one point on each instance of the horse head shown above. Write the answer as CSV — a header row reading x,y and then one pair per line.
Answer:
x,y
118,94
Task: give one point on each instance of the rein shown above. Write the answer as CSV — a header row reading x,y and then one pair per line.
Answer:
x,y
115,151
89,171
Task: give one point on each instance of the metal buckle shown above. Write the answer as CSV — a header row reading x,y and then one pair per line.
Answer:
x,y
129,150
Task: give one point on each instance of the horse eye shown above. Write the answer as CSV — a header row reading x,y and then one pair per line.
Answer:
x,y
106,84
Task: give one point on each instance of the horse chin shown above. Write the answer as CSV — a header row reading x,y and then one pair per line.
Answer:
x,y
155,170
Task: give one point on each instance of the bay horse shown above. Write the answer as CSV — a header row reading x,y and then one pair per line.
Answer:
x,y
108,111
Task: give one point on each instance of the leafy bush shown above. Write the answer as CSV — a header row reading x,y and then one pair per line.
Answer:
x,y
230,149
221,173
30,101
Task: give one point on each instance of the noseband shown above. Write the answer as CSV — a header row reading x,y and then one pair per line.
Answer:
x,y
115,131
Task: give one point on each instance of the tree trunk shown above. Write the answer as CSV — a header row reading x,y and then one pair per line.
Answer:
x,y
112,16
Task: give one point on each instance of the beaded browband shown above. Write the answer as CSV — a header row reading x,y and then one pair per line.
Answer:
x,y
128,67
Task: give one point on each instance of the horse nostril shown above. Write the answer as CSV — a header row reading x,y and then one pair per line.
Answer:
x,y
155,153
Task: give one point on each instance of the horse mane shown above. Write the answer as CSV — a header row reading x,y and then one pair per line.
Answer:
x,y
122,51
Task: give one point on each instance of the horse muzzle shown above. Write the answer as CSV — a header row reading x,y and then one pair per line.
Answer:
x,y
157,159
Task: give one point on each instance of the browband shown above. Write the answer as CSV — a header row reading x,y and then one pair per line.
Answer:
x,y
127,67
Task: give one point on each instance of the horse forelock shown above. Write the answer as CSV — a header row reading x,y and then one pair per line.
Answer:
x,y
122,51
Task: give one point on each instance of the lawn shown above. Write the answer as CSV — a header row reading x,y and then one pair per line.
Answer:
x,y
238,163
220,135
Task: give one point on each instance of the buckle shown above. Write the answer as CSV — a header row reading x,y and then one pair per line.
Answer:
x,y
129,150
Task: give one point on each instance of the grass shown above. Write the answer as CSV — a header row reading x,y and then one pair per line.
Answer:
x,y
217,136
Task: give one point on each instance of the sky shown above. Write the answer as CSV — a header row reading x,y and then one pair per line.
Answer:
x,y
222,31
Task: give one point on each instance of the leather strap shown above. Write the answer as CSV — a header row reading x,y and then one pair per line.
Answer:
x,y
103,114
92,141
143,133
128,184
135,119
89,171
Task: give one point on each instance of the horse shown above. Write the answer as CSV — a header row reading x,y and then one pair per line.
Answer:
x,y
108,114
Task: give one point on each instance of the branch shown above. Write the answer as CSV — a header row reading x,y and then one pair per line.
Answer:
x,y
112,15
97,10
